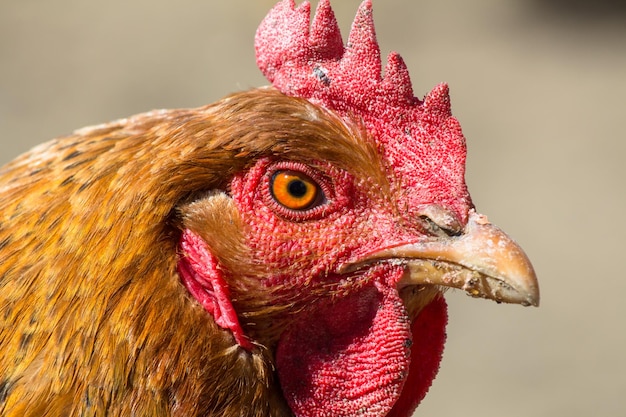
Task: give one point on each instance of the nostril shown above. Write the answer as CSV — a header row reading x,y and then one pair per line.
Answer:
x,y
439,221
436,230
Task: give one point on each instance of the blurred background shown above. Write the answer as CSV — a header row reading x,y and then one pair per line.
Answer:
x,y
539,87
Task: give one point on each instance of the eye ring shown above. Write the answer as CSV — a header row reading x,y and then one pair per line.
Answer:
x,y
295,190
323,204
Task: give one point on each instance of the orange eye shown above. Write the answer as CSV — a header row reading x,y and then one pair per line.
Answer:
x,y
294,190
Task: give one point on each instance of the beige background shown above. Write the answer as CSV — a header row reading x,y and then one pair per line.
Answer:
x,y
539,90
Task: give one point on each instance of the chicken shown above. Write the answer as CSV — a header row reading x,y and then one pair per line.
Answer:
x,y
283,251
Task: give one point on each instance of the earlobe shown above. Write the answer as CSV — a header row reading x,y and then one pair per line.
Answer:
x,y
201,274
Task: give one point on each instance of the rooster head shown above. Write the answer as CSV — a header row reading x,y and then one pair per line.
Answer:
x,y
282,251
346,225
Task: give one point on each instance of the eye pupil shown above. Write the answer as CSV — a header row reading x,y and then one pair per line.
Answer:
x,y
297,188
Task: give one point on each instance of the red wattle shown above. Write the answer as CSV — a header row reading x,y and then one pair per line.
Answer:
x,y
348,358
429,336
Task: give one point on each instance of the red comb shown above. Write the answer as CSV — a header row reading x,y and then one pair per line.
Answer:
x,y
419,138
314,63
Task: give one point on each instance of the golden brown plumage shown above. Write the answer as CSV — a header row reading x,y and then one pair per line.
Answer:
x,y
279,252
93,314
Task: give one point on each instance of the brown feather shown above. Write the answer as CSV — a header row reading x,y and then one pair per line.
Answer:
x,y
92,314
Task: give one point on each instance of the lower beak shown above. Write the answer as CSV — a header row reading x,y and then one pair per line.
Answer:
x,y
482,260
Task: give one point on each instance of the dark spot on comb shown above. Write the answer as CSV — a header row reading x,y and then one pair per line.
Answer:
x,y
320,74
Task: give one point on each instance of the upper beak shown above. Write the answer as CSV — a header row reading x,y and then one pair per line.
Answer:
x,y
481,260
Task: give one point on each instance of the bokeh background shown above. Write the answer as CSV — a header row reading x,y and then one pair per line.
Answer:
x,y
539,87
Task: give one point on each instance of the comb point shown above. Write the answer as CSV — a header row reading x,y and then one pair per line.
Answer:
x,y
325,39
362,50
397,78
437,101
283,36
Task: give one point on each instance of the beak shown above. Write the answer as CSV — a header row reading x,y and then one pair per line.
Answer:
x,y
482,260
